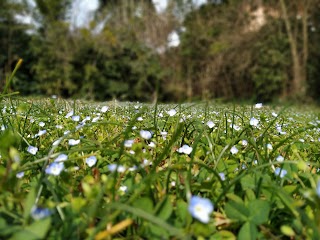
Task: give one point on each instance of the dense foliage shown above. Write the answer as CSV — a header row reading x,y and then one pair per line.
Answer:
x,y
226,50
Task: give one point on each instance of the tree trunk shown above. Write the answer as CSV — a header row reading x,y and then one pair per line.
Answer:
x,y
298,87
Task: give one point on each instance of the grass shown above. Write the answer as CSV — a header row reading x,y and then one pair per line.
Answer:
x,y
81,170
141,189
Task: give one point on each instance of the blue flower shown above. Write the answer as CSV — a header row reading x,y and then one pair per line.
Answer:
x,y
280,172
200,208
33,150
55,168
38,213
318,188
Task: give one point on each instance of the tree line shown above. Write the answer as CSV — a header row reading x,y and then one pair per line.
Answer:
x,y
261,50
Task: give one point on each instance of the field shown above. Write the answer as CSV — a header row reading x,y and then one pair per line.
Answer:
x,y
81,170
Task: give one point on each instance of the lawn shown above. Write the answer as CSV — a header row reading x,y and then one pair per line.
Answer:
x,y
85,170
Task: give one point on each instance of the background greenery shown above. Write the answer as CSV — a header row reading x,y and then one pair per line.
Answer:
x,y
221,55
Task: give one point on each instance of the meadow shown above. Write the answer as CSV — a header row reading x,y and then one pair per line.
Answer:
x,y
85,170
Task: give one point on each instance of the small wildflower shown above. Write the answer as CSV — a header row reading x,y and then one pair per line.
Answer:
x,y
145,134
185,149
152,145
33,150
254,122
38,213
132,152
123,189
59,126
40,133
318,188
140,119
164,135
280,158
55,168
244,143
269,146
41,124
20,175
210,124
235,127
104,109
115,167
172,112
76,118
61,158
258,105
73,142
280,172
95,119
222,176
91,161
128,143
274,114
234,150
200,208
69,114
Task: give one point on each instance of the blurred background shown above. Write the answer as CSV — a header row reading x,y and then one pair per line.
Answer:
x,y
170,50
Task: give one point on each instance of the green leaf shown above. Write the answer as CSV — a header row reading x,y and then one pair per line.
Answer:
x,y
29,202
248,182
36,230
144,203
182,213
237,211
223,235
287,230
259,211
248,231
164,209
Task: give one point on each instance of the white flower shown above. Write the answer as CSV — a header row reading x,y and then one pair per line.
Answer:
x,y
139,119
145,134
210,124
123,188
61,158
69,114
40,133
172,112
200,208
41,124
104,109
33,150
280,158
76,118
73,142
95,119
164,135
258,105
128,143
234,150
152,145
55,168
269,146
115,167
222,176
274,114
59,126
244,143
91,161
20,174
185,149
254,122
235,127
